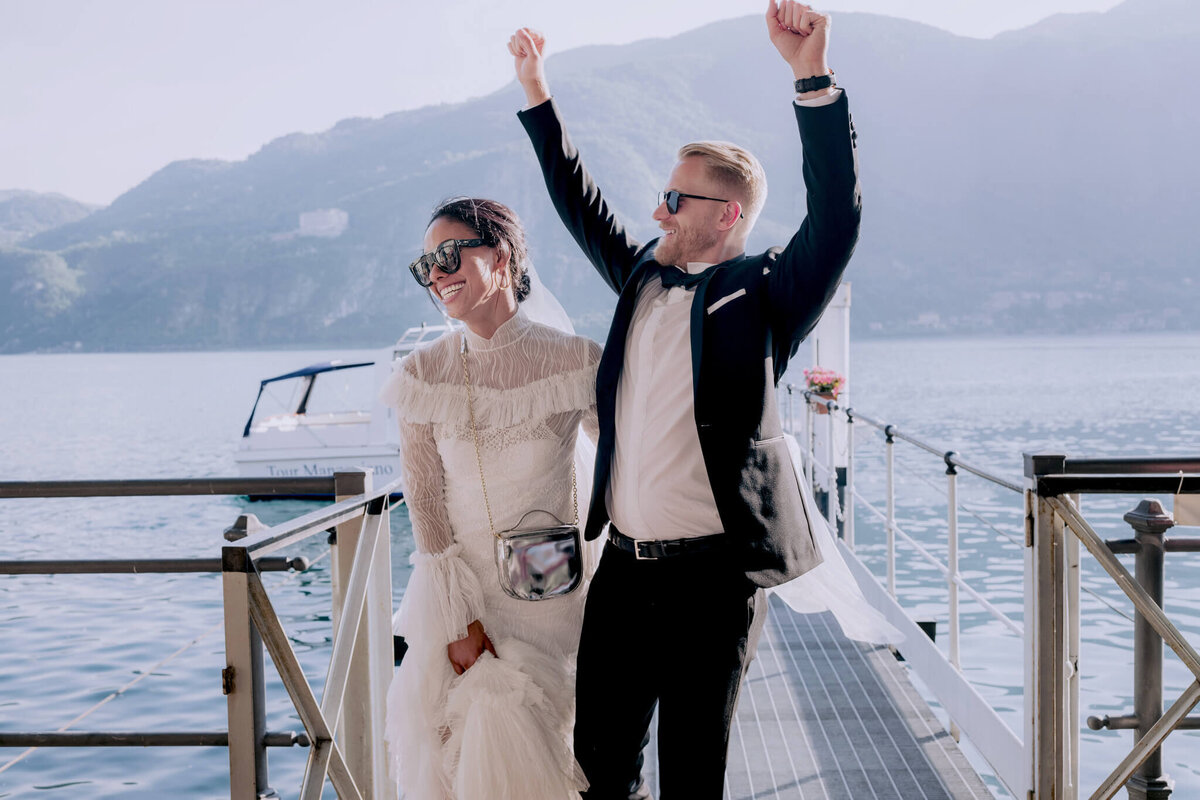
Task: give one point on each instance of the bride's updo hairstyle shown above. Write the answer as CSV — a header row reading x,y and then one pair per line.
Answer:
x,y
498,226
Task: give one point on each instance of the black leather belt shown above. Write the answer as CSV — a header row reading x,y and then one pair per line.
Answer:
x,y
654,549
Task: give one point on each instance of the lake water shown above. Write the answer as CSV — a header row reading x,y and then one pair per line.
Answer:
x,y
156,641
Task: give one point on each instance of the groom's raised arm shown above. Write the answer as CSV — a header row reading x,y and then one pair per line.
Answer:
x,y
576,197
809,269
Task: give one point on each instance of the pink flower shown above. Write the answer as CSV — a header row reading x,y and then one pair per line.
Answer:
x,y
820,379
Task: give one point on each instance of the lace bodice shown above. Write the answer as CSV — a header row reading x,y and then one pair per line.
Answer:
x,y
533,386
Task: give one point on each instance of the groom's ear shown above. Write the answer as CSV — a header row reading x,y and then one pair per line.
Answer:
x,y
732,213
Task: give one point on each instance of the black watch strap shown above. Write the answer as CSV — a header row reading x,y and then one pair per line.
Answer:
x,y
814,83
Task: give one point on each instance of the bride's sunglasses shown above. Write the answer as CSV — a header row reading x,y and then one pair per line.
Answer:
x,y
445,257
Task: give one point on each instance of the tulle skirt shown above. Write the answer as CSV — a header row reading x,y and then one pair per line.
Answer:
x,y
502,729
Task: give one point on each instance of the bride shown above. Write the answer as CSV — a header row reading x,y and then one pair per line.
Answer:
x,y
483,703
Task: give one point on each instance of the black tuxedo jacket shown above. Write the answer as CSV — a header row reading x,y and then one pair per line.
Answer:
x,y
748,317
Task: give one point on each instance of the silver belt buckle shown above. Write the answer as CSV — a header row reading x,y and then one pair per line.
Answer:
x,y
637,551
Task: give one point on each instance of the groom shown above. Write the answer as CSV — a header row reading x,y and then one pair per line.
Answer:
x,y
691,469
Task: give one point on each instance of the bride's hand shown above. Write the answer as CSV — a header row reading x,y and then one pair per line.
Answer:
x,y
464,652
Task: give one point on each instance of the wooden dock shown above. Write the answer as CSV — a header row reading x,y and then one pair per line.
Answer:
x,y
823,717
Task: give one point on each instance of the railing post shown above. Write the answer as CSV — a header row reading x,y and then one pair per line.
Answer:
x,y
382,649
1149,522
890,450
831,487
810,435
952,566
243,683
1073,638
848,499
360,730
1048,687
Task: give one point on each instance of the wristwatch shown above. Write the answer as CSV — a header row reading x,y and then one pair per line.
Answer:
x,y
814,83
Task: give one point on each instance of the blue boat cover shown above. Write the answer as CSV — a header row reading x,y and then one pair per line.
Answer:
x,y
327,366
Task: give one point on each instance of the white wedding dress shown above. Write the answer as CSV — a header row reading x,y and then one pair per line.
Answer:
x,y
503,728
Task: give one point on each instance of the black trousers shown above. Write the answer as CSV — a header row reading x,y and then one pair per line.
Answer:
x,y
678,632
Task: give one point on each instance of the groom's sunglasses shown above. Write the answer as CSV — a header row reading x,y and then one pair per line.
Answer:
x,y
672,198
445,257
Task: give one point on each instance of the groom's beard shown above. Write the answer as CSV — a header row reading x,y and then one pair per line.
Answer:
x,y
686,244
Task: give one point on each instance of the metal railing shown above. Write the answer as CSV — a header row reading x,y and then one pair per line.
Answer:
x,y
1045,762
344,731
1056,528
967,709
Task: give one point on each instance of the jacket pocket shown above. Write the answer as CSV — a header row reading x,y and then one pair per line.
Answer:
x,y
768,442
729,298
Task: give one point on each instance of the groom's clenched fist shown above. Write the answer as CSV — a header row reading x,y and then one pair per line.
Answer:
x,y
801,36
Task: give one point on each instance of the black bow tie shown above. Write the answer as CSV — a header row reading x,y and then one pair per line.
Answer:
x,y
674,276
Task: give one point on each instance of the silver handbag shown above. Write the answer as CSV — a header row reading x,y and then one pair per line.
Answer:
x,y
535,562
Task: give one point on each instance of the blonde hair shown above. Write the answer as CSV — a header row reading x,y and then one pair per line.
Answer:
x,y
735,169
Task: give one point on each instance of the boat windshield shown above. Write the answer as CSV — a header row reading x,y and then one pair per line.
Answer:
x,y
322,390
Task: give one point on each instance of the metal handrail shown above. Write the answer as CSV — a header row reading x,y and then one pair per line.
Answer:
x,y
936,563
1132,483
279,536
1130,465
163,487
1001,745
361,521
139,566
951,457
344,727
1057,527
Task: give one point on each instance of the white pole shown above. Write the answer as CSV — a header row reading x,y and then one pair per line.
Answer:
x,y
831,489
848,501
890,448
810,445
952,571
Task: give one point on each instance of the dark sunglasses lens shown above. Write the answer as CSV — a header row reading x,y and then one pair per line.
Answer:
x,y
672,202
447,257
420,270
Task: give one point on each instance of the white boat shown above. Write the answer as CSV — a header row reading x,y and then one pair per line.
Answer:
x,y
326,417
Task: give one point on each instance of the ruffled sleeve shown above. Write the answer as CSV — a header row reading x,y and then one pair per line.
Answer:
x,y
590,421
443,594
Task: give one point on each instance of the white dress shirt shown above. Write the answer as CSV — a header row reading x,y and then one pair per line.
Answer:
x,y
658,487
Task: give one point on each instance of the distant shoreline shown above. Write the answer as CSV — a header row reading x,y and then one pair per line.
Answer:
x,y
855,338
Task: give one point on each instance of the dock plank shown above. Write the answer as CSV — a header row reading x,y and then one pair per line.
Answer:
x,y
821,717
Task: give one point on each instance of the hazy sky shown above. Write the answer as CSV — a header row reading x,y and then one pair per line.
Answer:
x,y
98,95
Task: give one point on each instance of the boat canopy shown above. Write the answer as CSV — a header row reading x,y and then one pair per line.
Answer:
x,y
315,369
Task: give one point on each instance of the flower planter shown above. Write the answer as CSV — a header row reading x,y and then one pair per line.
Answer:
x,y
821,409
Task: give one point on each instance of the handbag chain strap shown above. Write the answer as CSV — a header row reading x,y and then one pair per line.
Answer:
x,y
479,458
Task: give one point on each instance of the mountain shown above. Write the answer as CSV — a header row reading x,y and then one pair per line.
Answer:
x,y
1040,181
24,213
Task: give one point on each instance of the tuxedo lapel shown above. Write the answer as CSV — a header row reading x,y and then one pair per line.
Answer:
x,y
699,318
697,332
